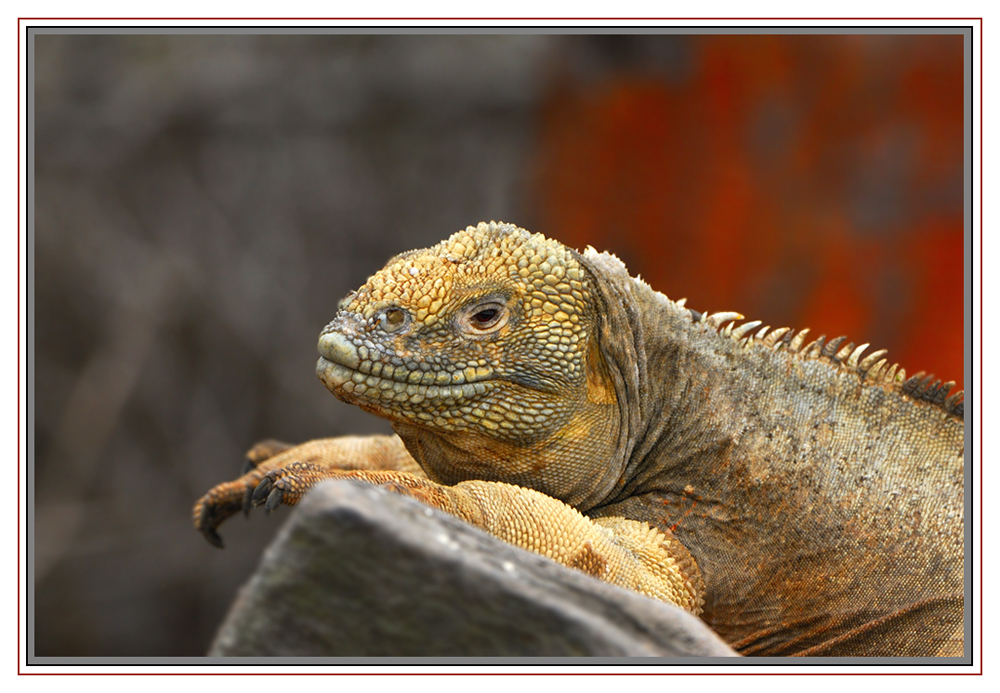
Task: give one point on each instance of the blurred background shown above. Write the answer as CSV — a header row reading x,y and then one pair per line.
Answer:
x,y
203,202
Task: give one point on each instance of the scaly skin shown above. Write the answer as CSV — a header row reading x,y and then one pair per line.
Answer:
x,y
807,498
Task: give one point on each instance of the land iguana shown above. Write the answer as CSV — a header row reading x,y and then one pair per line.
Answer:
x,y
802,498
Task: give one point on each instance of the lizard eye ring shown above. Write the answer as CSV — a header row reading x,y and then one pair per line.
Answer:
x,y
484,318
393,319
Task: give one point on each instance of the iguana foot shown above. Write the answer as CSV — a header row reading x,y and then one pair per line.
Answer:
x,y
277,473
222,502
288,484
283,486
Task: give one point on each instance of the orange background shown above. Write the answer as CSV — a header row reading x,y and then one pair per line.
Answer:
x,y
805,181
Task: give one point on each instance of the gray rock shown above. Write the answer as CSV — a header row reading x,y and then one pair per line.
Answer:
x,y
358,571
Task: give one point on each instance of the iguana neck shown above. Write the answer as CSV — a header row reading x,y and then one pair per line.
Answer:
x,y
688,410
672,392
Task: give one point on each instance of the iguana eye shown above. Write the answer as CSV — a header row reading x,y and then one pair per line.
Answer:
x,y
484,317
393,319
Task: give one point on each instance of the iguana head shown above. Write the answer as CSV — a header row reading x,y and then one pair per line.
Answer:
x,y
482,352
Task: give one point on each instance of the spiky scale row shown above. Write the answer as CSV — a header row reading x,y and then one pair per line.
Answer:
x,y
715,320
776,336
852,360
831,349
739,332
925,387
845,351
872,369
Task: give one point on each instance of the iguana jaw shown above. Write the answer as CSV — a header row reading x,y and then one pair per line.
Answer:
x,y
358,380
384,379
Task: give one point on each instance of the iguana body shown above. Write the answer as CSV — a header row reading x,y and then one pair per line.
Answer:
x,y
803,498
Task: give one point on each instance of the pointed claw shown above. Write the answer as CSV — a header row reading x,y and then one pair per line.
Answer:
x,y
248,502
274,499
213,537
207,526
260,493
248,465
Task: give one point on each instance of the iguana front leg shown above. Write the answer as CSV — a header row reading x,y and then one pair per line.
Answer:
x,y
325,454
622,552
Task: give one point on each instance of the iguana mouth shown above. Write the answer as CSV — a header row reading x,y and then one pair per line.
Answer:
x,y
343,367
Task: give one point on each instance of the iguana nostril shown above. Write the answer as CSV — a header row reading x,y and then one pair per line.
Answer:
x,y
337,348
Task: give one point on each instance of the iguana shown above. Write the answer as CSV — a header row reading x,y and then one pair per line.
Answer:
x,y
803,498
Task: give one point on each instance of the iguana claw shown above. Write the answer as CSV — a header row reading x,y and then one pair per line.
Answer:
x,y
207,518
213,537
260,494
274,499
276,477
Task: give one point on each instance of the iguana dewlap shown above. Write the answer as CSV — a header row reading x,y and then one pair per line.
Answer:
x,y
803,498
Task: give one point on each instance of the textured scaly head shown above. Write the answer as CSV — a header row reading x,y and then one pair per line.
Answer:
x,y
479,351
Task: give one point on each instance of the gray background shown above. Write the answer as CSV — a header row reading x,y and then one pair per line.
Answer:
x,y
202,203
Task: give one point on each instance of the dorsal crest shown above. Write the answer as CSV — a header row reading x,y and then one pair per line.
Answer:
x,y
872,368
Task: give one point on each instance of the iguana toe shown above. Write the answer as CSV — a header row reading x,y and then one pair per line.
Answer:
x,y
274,499
262,451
